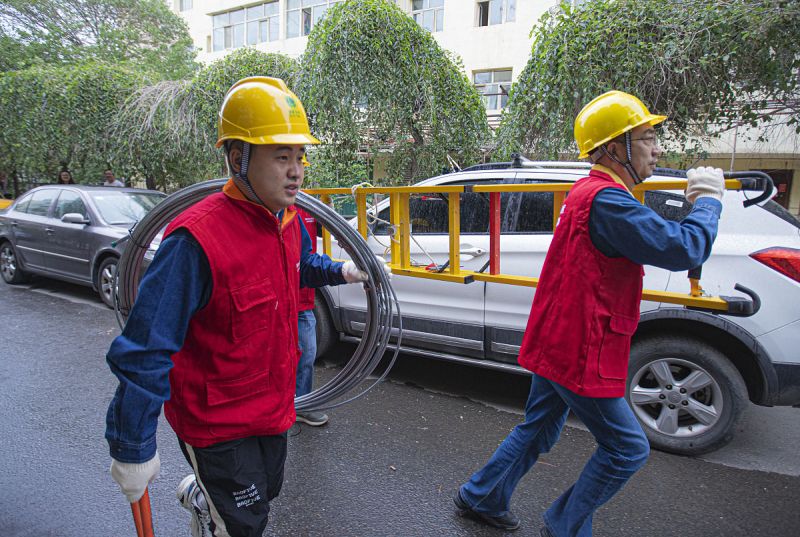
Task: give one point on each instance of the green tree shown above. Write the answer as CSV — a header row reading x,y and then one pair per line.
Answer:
x,y
375,82
708,65
140,32
58,116
169,129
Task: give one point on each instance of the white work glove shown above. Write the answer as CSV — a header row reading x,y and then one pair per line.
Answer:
x,y
704,181
133,478
352,274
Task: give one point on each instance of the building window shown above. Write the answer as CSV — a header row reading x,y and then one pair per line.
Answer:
x,y
302,15
251,25
496,12
493,87
185,5
429,14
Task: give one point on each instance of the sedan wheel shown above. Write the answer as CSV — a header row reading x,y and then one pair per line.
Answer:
x,y
9,266
687,395
106,281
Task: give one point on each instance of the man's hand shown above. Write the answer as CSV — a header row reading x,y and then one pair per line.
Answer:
x,y
352,274
133,478
704,181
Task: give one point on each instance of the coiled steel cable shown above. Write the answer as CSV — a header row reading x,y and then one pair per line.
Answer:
x,y
382,303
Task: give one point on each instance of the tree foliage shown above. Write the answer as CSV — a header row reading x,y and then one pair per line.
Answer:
x,y
168,129
375,82
144,33
61,116
708,65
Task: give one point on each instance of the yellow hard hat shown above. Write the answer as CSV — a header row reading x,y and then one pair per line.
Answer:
x,y
262,110
607,116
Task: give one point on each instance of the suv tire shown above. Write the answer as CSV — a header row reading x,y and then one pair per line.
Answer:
x,y
9,265
105,280
686,394
326,332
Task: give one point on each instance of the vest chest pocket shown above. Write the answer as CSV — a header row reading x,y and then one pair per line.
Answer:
x,y
253,308
616,348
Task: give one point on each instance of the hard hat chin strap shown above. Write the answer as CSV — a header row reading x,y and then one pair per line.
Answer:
x,y
241,175
627,165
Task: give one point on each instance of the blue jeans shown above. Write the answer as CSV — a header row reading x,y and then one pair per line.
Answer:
x,y
307,339
622,449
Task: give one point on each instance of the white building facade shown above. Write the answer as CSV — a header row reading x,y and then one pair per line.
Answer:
x,y
492,37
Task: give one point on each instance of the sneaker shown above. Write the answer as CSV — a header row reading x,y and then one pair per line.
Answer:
x,y
193,500
508,521
315,419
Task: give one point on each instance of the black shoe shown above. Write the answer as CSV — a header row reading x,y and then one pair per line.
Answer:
x,y
507,521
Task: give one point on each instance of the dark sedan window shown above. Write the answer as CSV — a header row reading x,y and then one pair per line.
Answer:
x,y
70,202
22,205
41,201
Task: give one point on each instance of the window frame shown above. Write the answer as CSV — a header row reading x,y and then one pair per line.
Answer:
x,y
305,16
505,7
500,96
436,12
225,36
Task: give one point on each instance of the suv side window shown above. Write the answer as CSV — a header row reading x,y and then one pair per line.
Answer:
x,y
69,202
41,201
429,214
527,212
668,206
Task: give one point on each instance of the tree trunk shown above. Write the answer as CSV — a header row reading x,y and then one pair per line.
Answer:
x,y
150,182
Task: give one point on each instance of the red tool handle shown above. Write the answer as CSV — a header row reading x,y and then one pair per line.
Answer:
x,y
142,516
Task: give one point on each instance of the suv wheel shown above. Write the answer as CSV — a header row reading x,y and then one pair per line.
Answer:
x,y
106,278
687,395
326,332
9,265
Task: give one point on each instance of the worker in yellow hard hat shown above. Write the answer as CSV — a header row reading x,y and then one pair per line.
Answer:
x,y
213,333
585,312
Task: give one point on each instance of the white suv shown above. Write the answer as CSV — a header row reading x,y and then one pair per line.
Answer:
x,y
691,372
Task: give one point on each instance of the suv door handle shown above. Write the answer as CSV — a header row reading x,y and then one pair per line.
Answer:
x,y
49,230
474,252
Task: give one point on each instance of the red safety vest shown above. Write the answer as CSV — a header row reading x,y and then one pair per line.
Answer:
x,y
234,377
586,307
307,293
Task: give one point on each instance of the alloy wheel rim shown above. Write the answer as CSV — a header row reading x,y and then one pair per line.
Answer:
x,y
8,264
676,397
107,281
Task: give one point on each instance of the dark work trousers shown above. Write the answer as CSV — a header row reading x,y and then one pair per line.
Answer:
x,y
238,479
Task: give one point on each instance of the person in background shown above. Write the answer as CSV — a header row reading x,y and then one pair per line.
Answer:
x,y
65,177
110,180
585,311
307,334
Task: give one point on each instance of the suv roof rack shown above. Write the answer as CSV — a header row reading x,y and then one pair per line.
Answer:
x,y
521,162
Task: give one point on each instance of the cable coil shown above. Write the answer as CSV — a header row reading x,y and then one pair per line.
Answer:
x,y
382,304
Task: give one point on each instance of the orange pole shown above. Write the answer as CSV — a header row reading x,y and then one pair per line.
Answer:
x,y
142,516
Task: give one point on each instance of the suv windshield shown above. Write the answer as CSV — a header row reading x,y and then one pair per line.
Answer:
x,y
119,208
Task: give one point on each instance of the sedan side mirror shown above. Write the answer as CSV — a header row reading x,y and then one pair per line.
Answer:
x,y
75,218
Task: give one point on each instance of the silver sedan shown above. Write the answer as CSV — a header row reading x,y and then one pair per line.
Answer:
x,y
70,233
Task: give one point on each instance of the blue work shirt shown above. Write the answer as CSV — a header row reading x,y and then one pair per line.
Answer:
x,y
620,226
177,284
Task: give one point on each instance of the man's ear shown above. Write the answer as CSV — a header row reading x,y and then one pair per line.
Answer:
x,y
235,157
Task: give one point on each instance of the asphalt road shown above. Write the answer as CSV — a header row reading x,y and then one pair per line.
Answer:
x,y
386,465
